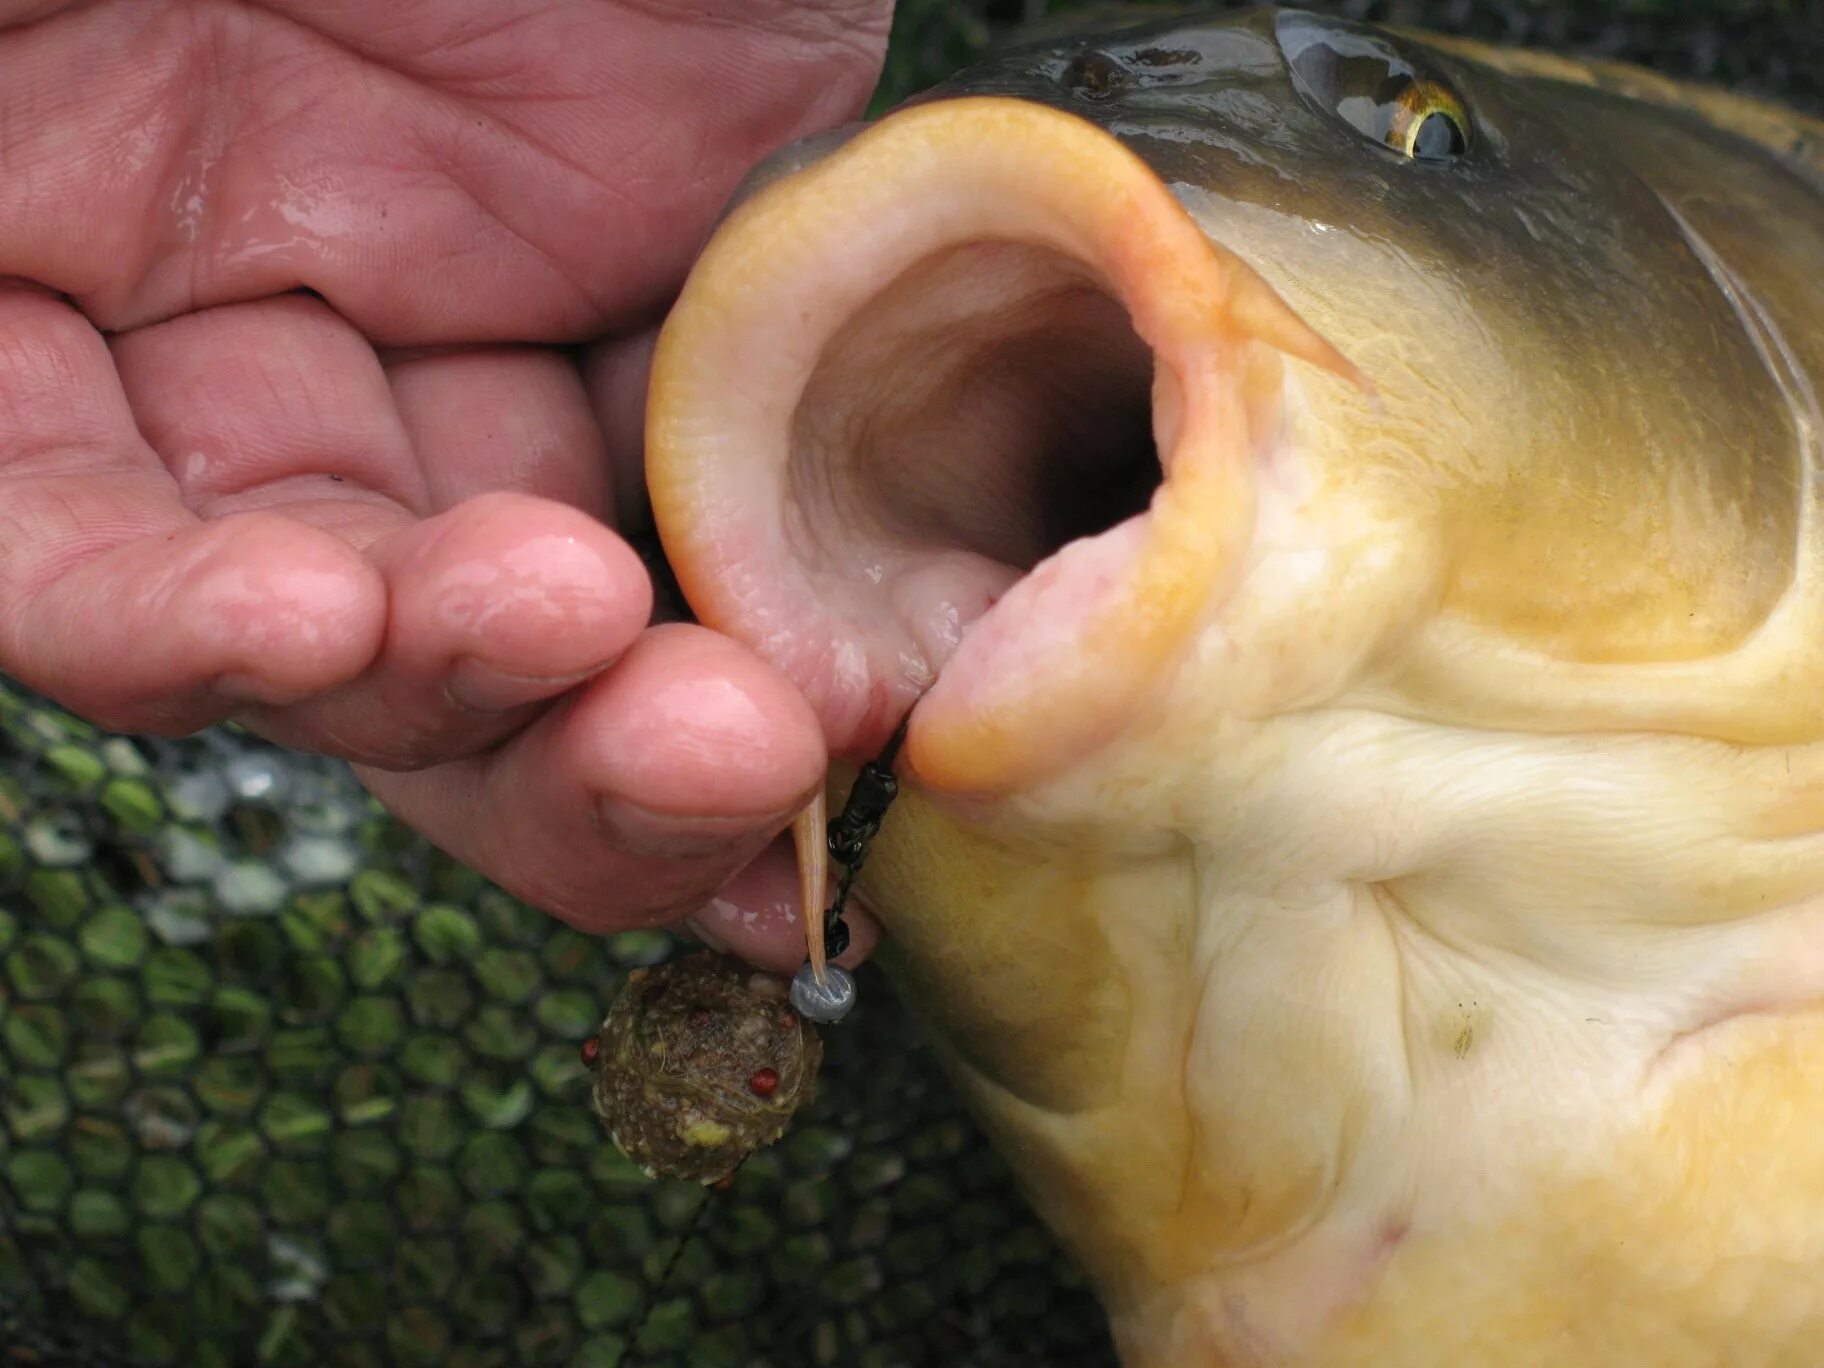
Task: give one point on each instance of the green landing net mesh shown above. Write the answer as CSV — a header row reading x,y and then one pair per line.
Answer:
x,y
281,1085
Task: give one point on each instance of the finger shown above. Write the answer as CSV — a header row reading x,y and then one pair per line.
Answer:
x,y
634,801
275,406
492,607
114,599
756,917
501,603
14,12
615,373
486,418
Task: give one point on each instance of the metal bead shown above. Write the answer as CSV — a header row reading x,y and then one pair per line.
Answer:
x,y
827,1001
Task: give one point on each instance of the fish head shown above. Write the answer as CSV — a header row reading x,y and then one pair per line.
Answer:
x,y
1339,511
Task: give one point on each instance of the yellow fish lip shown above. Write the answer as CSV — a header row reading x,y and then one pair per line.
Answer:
x,y
1056,665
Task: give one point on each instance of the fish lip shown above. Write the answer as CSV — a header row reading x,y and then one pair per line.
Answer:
x,y
1052,668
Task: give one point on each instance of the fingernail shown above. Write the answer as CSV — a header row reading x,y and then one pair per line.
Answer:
x,y
479,687
696,928
664,835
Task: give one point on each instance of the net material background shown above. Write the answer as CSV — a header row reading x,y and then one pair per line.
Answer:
x,y
281,1085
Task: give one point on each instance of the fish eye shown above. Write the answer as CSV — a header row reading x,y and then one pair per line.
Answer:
x,y
1428,123
1355,75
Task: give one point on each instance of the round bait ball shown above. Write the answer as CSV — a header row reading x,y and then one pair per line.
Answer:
x,y
679,1055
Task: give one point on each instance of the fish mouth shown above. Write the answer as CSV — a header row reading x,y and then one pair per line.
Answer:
x,y
968,415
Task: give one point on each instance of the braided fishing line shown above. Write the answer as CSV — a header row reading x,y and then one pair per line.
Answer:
x,y
671,1266
703,1060
853,830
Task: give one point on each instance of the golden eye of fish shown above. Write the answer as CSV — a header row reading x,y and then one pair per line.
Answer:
x,y
1428,123
1362,79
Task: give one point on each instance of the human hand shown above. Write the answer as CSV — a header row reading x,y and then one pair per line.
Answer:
x,y
373,519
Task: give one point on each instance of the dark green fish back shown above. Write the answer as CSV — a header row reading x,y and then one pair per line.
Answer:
x,y
280,1085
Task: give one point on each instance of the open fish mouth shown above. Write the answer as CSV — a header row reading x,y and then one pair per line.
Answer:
x,y
970,406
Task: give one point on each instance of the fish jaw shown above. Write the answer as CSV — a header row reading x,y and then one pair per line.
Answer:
x,y
1398,1018
1004,207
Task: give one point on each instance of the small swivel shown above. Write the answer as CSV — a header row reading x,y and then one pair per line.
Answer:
x,y
824,1002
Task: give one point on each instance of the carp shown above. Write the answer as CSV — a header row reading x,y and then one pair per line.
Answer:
x,y
1342,511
